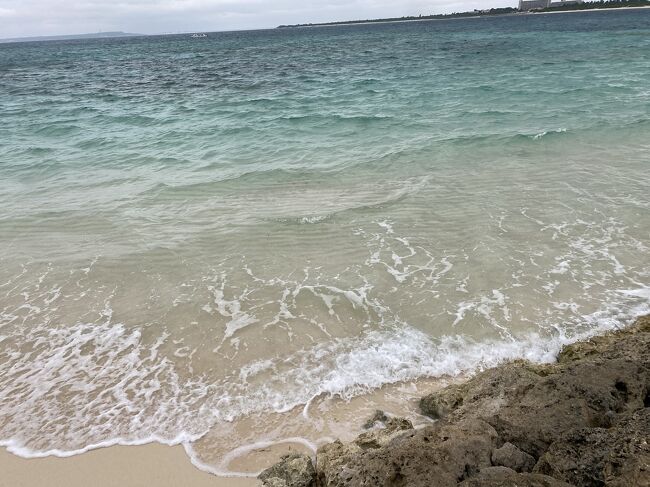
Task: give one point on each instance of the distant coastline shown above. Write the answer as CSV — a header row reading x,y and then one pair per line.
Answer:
x,y
413,18
574,10
493,12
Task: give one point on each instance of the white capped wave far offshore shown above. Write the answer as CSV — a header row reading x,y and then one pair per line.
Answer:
x,y
225,242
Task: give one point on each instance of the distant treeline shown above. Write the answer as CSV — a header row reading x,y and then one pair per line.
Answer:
x,y
597,4
491,11
475,13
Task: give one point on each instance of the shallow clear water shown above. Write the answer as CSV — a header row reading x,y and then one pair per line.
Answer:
x,y
221,241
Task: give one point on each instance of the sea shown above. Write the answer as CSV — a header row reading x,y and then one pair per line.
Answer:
x,y
249,242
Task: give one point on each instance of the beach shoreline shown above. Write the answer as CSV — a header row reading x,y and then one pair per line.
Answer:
x,y
582,420
162,465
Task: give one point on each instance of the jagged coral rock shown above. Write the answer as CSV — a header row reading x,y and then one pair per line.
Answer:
x,y
505,477
583,421
512,457
294,470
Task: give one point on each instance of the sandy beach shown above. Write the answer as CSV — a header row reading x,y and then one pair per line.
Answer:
x,y
118,466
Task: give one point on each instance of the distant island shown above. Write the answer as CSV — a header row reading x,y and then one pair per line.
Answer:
x,y
96,35
533,6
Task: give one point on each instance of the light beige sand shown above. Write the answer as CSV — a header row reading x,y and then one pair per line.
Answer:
x,y
151,465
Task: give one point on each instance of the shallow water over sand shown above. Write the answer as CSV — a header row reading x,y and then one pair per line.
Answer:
x,y
261,237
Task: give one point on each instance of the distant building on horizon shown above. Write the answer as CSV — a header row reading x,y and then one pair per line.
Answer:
x,y
526,5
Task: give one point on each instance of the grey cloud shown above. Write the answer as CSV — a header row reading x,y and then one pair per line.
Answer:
x,y
52,17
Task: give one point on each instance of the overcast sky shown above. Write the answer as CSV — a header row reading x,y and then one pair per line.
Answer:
x,y
20,18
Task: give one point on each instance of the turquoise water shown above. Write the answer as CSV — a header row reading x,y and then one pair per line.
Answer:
x,y
198,233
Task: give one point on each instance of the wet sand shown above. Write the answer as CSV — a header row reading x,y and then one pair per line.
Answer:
x,y
118,466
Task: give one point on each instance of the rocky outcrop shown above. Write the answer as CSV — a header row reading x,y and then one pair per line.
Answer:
x,y
513,458
294,470
506,477
617,456
584,421
339,463
448,454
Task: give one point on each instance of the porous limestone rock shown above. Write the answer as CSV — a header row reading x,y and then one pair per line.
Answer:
x,y
616,456
512,457
293,470
583,421
506,477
